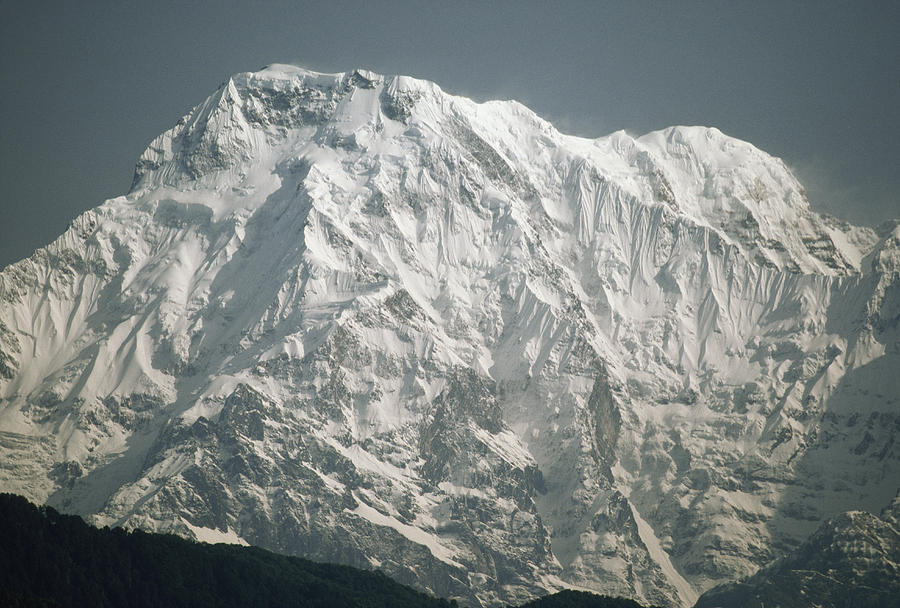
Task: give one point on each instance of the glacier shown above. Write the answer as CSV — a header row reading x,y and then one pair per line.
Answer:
x,y
355,318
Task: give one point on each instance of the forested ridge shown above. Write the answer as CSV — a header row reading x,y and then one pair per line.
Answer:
x,y
51,559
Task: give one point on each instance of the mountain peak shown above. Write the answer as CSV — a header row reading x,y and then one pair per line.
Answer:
x,y
359,319
749,199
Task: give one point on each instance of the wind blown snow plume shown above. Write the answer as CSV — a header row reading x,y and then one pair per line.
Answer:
x,y
355,318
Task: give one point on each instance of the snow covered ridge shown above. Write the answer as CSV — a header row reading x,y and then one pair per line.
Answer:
x,y
355,318
851,560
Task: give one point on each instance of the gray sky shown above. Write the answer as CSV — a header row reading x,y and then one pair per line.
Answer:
x,y
87,85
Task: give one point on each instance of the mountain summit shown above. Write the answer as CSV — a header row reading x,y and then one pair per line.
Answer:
x,y
357,319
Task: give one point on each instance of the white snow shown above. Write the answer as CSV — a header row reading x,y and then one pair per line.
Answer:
x,y
416,535
213,537
685,591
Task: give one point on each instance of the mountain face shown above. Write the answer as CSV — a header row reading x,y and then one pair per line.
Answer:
x,y
357,319
851,560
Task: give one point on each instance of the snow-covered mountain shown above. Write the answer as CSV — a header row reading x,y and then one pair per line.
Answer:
x,y
356,318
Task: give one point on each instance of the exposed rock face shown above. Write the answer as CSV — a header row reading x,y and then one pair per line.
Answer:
x,y
358,319
851,560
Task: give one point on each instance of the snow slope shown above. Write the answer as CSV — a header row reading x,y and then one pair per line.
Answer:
x,y
356,318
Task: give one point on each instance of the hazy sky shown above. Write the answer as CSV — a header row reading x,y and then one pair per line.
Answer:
x,y
87,85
